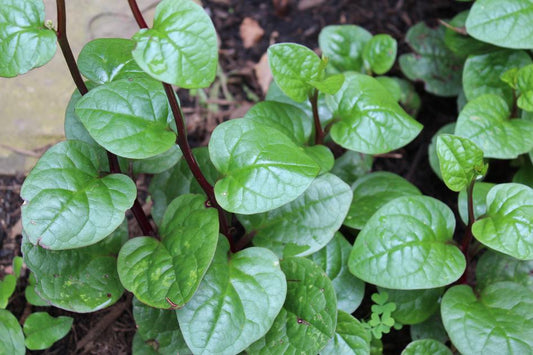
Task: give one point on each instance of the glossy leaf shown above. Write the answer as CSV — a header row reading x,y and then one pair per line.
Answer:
x,y
68,204
372,191
42,330
181,48
343,45
485,121
461,44
333,259
403,91
304,225
25,42
432,148
481,189
307,320
263,169
371,121
74,129
11,336
167,273
158,163
79,280
508,225
351,166
351,337
493,267
329,85
379,53
128,117
407,244
236,303
431,328
7,287
498,321
413,306
322,155
426,346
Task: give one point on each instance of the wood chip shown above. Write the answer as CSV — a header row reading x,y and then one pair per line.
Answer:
x,y
250,32
263,74
309,4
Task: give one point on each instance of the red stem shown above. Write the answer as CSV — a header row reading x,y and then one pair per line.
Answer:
x,y
319,132
467,239
137,14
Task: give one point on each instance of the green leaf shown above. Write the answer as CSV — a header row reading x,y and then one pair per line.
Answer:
x,y
461,161
508,225
329,85
351,166
461,44
108,59
7,287
432,148
403,91
493,267
322,155
351,337
371,121
263,169
481,189
498,321
524,82
413,306
79,280
485,121
426,346
166,274
128,117
74,129
31,296
379,53
481,74
304,225
343,45
25,43
294,67
181,48
505,26
307,320
433,63
11,336
333,259
407,244
18,261
431,328
42,330
67,203
236,303
158,163
372,191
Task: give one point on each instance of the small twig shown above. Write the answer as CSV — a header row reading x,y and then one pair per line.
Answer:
x,y
389,155
460,30
29,153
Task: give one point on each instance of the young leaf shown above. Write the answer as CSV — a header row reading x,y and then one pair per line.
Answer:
x,y
25,43
236,303
485,121
407,244
371,121
481,189
329,85
333,259
372,191
432,148
43,330
306,224
128,117
499,321
351,166
31,296
181,48
431,328
343,46
263,169
493,267
68,204
426,346
413,306
351,337
307,320
7,287
167,273
461,161
11,336
508,225
379,54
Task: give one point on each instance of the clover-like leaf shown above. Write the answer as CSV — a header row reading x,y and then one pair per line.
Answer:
x,y
333,259
306,224
431,328
407,244
498,321
370,120
11,336
236,303
426,346
379,53
307,320
508,224
372,191
343,46
351,337
25,42
485,121
493,267
481,189
181,48
68,204
166,274
413,306
262,168
42,330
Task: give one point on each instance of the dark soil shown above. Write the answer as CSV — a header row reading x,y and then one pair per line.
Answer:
x,y
111,331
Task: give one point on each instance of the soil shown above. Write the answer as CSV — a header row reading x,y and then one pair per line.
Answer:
x,y
111,331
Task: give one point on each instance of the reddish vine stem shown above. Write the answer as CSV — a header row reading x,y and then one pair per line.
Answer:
x,y
114,166
319,132
467,239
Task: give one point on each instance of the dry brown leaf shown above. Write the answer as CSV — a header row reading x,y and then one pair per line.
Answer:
x,y
263,73
309,4
250,32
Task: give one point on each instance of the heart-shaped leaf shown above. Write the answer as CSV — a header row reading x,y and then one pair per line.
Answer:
x,y
508,224
306,224
370,120
343,45
25,43
351,337
7,287
128,117
181,48
333,259
431,328
426,346
307,320
481,189
68,204
407,244
11,336
493,267
372,191
379,53
263,169
42,330
166,274
413,306
236,303
499,321
485,121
